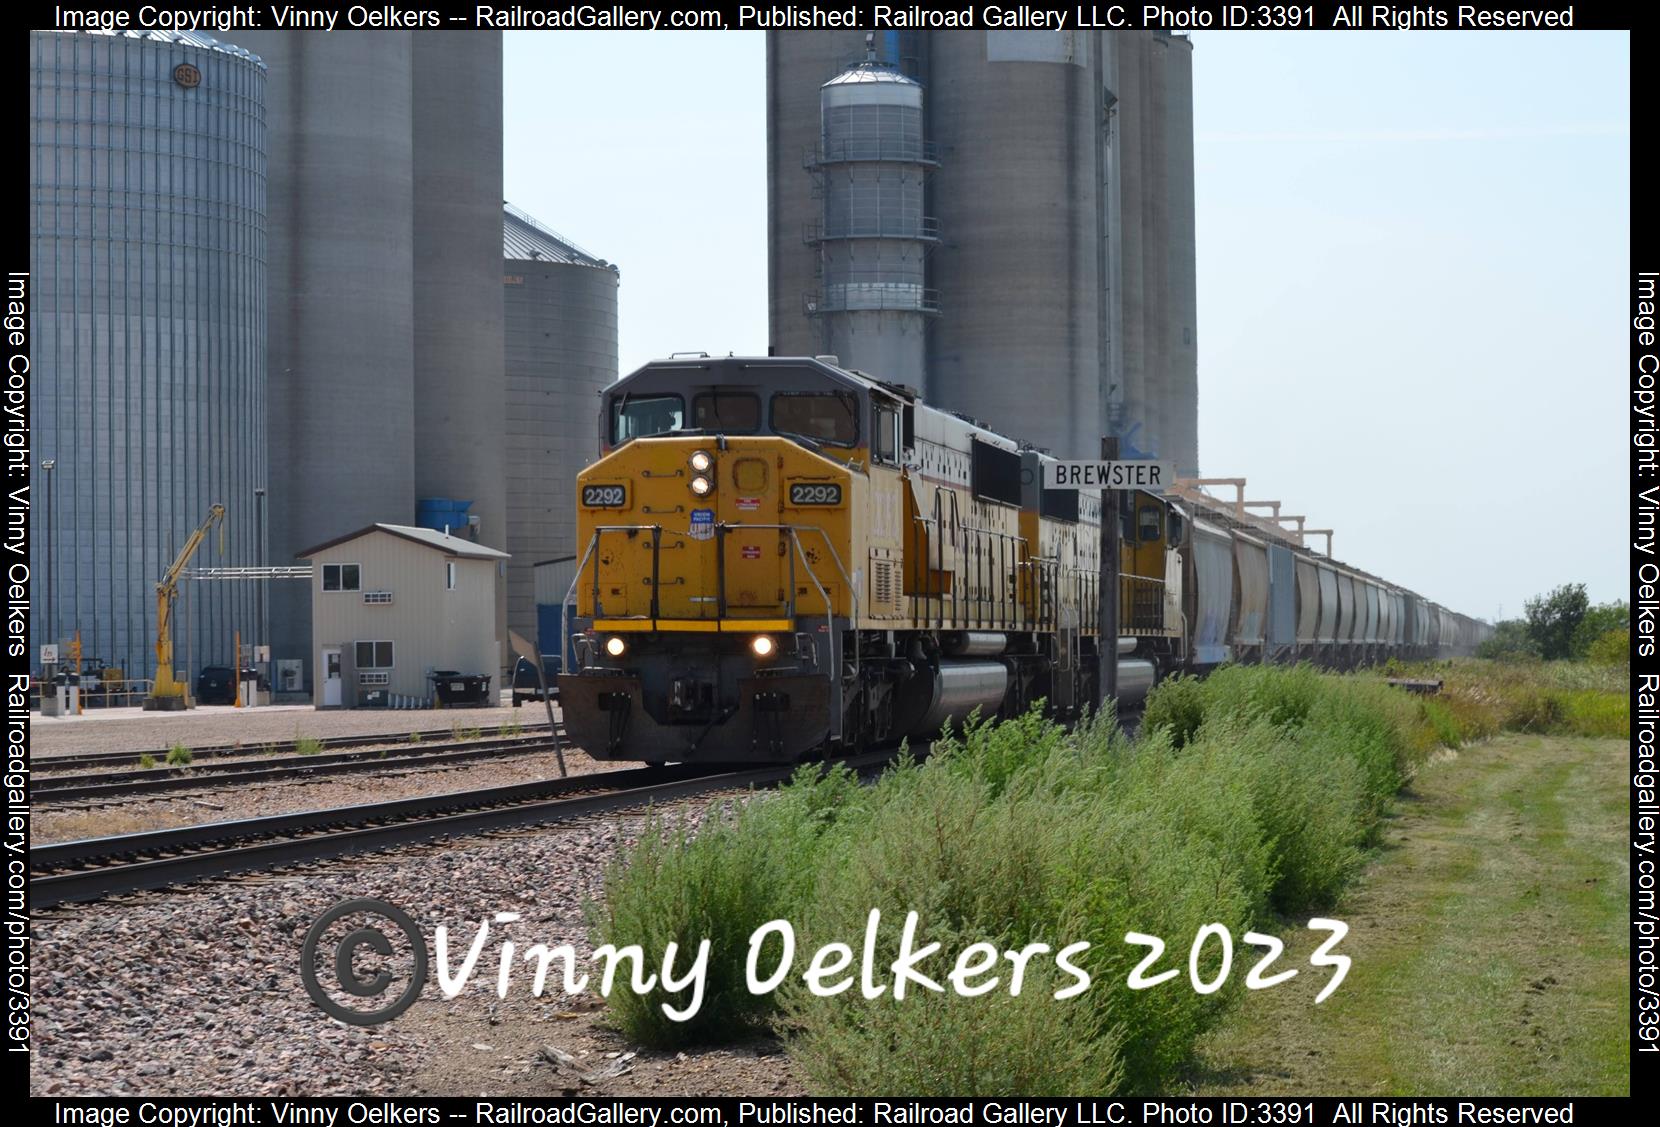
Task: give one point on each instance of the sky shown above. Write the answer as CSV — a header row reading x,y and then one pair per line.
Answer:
x,y
1412,261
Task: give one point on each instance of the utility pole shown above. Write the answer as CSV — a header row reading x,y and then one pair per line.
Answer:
x,y
50,617
260,591
1107,603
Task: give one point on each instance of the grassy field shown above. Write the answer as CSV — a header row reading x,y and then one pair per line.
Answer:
x,y
1470,840
1488,939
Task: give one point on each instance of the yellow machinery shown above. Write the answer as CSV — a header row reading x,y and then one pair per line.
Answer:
x,y
169,694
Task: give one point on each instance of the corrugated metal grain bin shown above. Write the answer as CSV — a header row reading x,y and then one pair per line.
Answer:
x,y
147,245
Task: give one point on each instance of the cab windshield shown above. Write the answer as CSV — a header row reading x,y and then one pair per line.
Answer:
x,y
829,417
735,412
637,416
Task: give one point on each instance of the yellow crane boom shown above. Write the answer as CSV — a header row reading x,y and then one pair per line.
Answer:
x,y
168,692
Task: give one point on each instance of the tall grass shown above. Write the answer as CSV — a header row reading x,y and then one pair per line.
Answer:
x,y
1246,796
741,869
1564,698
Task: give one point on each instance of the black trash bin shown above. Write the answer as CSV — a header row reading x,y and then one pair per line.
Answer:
x,y
462,690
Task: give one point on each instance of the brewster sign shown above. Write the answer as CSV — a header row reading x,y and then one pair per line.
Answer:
x,y
1138,474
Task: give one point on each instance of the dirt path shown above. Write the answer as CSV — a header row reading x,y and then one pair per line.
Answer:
x,y
1488,941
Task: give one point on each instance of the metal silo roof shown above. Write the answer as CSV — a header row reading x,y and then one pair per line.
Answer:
x,y
524,238
872,72
187,38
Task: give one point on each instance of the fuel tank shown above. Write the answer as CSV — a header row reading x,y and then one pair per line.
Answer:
x,y
958,688
1135,681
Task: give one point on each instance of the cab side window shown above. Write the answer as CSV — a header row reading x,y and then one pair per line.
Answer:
x,y
1151,523
886,448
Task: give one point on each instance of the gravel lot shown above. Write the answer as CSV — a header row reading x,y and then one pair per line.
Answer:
x,y
132,729
197,991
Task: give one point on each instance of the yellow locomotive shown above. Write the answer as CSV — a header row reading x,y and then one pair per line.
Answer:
x,y
778,556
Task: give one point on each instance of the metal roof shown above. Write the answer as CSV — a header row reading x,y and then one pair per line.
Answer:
x,y
872,72
525,239
430,537
185,38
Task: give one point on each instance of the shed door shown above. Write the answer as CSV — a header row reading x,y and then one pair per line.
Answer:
x,y
331,677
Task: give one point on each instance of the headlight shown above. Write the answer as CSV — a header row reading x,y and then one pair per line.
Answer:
x,y
701,461
615,646
762,645
702,485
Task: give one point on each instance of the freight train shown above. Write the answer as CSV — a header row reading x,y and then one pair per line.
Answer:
x,y
779,557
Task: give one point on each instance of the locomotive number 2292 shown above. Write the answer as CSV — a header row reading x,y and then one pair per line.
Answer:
x,y
604,496
812,493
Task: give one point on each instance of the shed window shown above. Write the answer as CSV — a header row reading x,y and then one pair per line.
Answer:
x,y
342,577
373,655
449,575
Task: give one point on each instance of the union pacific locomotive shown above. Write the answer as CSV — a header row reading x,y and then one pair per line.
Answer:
x,y
778,556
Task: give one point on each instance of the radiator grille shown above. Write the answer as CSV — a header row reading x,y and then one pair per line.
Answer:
x,y
884,586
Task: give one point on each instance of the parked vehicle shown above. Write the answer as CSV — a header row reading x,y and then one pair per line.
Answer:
x,y
216,684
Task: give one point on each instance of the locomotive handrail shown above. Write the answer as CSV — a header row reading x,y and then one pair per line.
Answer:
x,y
956,556
593,542
834,673
570,592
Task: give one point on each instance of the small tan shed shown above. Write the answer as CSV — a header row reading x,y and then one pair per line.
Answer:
x,y
393,604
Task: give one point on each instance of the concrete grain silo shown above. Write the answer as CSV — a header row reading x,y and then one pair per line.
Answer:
x,y
1179,372
460,386
147,225
1015,118
561,339
386,311
459,381
342,330
1153,118
1064,196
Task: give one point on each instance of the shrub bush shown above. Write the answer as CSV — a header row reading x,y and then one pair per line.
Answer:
x,y
1176,706
740,870
1252,791
1611,648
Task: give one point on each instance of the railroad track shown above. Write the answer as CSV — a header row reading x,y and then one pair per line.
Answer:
x,y
111,786
96,867
46,763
